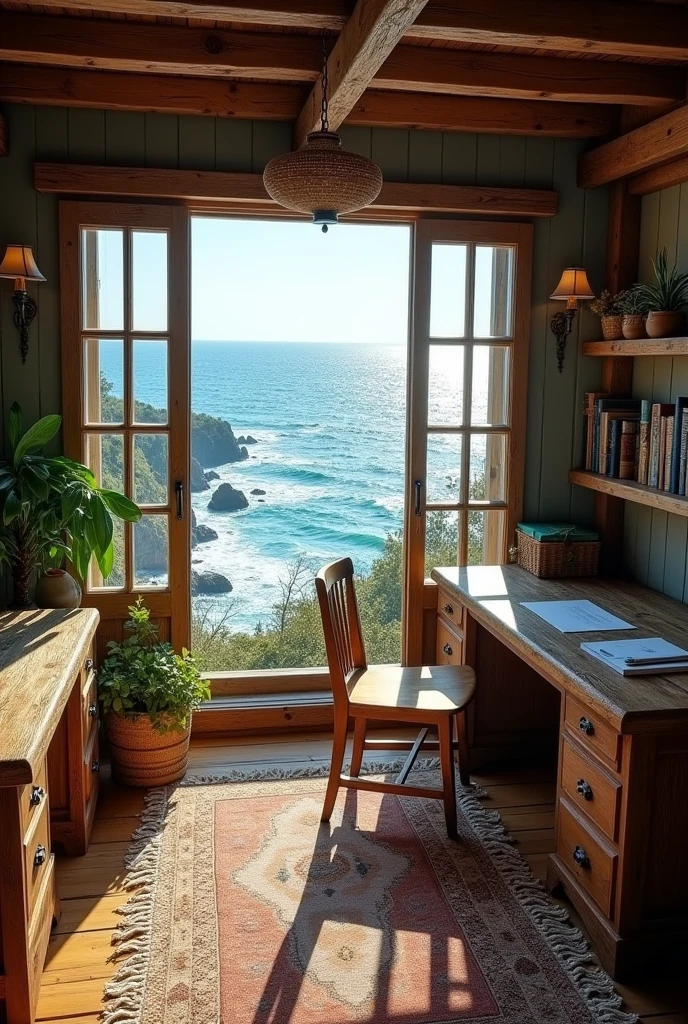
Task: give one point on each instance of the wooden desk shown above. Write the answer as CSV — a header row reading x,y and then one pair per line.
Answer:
x,y
48,782
622,780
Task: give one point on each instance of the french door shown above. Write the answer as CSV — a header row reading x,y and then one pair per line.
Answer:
x,y
125,339
467,401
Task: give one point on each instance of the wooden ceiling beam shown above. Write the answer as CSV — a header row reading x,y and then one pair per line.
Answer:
x,y
369,36
303,14
217,187
639,150
665,176
167,49
111,90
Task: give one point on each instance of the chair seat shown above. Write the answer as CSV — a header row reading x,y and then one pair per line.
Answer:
x,y
432,690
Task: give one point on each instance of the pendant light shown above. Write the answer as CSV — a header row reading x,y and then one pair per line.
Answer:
x,y
321,178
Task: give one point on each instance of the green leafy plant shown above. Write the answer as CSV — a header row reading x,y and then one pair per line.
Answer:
x,y
634,303
143,676
669,292
607,304
51,507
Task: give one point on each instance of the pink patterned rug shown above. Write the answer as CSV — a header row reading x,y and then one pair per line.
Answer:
x,y
248,911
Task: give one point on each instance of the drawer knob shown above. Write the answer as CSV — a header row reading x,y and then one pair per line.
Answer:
x,y
584,789
581,858
586,726
40,855
88,664
37,794
95,766
92,710
449,609
447,649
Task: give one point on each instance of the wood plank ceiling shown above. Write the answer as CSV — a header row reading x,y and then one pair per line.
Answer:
x,y
585,68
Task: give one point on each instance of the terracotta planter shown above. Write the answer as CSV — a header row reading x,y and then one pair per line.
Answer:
x,y
665,324
633,326
611,328
142,755
57,589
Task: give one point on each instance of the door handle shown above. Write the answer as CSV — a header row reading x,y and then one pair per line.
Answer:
x,y
179,491
418,490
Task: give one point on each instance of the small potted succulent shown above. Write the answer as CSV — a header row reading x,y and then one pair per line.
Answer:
x,y
634,309
148,693
665,299
608,309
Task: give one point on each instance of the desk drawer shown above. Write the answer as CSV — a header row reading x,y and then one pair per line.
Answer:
x,y
32,798
450,609
449,645
37,852
91,768
89,699
594,734
595,793
590,860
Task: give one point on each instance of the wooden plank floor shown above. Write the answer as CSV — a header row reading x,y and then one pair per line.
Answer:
x,y
91,890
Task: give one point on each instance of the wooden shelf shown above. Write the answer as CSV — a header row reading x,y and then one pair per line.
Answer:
x,y
642,347
631,491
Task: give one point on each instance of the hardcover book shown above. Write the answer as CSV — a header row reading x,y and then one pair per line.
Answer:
x,y
681,404
628,450
644,440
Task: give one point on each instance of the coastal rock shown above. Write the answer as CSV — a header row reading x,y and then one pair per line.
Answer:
x,y
210,583
210,474
204,534
250,440
258,490
227,499
244,452
198,480
212,441
241,439
194,527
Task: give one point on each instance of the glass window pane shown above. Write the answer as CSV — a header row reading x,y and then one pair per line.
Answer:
x,y
150,469
448,291
486,537
151,551
441,540
103,380
102,279
150,381
104,455
444,468
445,385
149,280
488,467
493,295
491,385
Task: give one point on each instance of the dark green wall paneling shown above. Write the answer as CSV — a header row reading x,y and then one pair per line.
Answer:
x,y
655,543
578,233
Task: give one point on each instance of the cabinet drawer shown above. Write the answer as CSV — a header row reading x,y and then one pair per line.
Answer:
x,y
449,645
593,733
589,859
89,700
91,768
590,789
450,609
37,852
33,797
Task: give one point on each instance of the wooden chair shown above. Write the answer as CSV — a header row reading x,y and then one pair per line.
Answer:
x,y
433,697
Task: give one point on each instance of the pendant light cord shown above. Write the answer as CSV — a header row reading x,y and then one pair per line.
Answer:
x,y
323,103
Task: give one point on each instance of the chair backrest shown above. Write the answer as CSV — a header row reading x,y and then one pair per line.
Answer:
x,y
334,585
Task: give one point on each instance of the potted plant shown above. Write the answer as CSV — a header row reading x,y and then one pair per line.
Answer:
x,y
148,693
51,507
608,309
665,299
634,309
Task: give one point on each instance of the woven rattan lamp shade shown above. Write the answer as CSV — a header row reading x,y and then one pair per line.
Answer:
x,y
323,179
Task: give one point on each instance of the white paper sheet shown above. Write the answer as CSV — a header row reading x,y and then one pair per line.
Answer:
x,y
616,654
576,616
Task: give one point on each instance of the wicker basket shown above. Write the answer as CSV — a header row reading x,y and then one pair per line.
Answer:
x,y
549,559
142,755
611,328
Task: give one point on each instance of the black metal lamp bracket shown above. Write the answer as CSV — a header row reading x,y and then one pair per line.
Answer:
x,y
25,310
561,325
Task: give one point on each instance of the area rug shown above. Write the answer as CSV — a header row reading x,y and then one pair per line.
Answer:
x,y
248,910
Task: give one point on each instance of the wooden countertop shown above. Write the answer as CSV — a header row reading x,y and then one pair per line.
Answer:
x,y
494,595
40,654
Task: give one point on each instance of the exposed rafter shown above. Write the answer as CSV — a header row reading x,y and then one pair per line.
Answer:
x,y
674,173
272,101
321,14
646,147
167,49
369,36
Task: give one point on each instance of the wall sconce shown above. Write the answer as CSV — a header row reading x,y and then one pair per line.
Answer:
x,y
572,287
18,264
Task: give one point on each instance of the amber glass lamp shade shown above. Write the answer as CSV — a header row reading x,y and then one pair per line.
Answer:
x,y
573,286
18,263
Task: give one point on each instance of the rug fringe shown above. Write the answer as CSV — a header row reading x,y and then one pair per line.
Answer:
x,y
125,992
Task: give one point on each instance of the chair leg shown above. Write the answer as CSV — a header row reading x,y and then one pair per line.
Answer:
x,y
462,739
444,730
357,751
338,749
